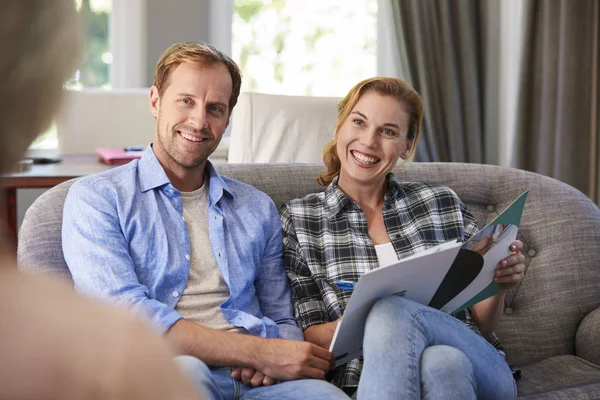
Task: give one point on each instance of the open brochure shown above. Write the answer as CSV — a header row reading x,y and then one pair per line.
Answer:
x,y
450,277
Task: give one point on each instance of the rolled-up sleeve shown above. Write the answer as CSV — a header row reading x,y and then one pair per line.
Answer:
x,y
97,254
309,307
272,287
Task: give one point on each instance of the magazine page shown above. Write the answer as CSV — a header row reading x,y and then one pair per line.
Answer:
x,y
492,244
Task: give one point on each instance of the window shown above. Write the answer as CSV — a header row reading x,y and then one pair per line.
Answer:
x,y
95,58
295,47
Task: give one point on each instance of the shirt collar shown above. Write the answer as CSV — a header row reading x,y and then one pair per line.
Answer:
x,y
150,172
152,175
217,185
336,200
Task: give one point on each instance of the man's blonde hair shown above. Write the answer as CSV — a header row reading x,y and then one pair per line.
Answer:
x,y
394,87
201,55
38,48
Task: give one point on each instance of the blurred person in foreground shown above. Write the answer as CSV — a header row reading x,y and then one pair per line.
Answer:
x,y
366,218
53,343
198,253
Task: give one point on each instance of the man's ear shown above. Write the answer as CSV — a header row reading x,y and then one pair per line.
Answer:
x,y
154,101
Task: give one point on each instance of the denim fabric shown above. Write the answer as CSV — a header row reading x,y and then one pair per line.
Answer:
x,y
124,239
406,356
217,384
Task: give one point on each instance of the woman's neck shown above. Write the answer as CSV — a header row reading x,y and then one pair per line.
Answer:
x,y
367,196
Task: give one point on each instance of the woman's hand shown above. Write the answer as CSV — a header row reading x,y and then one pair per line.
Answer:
x,y
511,270
321,334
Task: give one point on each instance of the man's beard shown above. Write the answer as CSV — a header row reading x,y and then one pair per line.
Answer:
x,y
168,141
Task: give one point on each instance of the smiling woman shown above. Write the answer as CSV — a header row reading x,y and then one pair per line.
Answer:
x,y
365,219
404,108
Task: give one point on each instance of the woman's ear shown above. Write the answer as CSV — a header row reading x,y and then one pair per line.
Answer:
x,y
407,150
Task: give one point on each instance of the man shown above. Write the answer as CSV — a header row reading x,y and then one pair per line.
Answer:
x,y
199,254
53,343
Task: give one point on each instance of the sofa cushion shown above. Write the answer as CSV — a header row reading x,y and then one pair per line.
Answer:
x,y
561,377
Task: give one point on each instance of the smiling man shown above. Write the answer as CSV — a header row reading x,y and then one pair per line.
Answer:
x,y
199,254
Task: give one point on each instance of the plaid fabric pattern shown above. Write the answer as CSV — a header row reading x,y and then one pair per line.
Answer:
x,y
326,239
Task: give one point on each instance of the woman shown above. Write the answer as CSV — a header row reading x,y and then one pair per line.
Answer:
x,y
366,219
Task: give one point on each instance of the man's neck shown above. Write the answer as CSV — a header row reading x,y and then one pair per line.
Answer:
x,y
187,180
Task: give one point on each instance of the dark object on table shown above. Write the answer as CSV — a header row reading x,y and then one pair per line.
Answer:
x,y
45,160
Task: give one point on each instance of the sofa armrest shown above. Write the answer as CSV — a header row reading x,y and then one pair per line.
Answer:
x,y
588,337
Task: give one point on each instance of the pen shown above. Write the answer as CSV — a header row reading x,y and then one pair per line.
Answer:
x,y
133,148
345,285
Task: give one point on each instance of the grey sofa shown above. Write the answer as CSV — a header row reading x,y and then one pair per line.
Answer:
x,y
551,322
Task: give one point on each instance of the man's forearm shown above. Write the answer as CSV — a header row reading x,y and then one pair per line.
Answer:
x,y
212,346
278,358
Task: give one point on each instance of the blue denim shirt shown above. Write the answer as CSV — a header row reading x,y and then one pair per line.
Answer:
x,y
124,239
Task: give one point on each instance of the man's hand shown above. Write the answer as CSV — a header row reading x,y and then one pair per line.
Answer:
x,y
252,377
291,359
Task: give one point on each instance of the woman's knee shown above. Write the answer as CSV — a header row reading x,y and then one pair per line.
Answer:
x,y
392,312
445,363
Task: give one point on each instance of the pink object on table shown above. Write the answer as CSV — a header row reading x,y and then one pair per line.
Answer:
x,y
115,156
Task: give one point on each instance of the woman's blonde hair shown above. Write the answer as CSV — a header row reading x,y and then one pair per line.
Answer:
x,y
397,88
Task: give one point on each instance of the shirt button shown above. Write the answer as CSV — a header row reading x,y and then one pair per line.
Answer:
x,y
175,293
171,191
219,254
490,208
397,236
508,311
183,218
531,252
187,257
388,206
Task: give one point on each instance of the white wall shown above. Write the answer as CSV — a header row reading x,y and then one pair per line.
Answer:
x,y
203,20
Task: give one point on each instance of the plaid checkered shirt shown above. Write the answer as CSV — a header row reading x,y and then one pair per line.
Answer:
x,y
325,239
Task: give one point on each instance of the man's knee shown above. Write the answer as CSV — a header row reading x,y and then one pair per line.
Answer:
x,y
319,389
195,369
445,363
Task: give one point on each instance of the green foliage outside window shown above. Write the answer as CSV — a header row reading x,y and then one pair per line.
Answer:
x,y
300,47
95,58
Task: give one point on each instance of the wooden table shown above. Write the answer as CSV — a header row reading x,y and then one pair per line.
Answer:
x,y
44,176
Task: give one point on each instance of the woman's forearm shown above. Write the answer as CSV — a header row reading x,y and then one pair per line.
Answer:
x,y
321,334
486,313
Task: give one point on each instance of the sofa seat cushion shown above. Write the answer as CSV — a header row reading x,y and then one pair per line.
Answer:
x,y
560,377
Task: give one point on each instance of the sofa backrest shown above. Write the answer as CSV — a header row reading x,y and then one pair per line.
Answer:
x,y
560,230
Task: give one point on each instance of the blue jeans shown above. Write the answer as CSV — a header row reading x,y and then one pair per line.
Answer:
x,y
412,351
217,384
